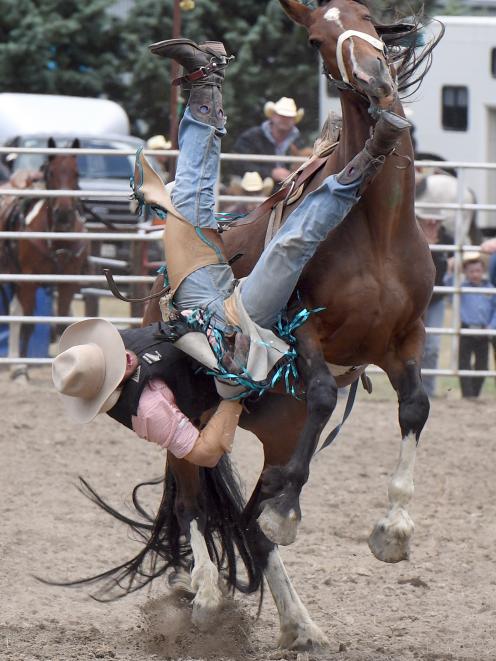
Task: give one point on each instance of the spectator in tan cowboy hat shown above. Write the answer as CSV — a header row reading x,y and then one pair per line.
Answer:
x,y
274,136
431,222
251,184
159,142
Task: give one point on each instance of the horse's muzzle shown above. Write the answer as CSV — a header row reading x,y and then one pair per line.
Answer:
x,y
376,83
64,219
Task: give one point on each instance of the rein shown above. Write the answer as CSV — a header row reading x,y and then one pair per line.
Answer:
x,y
283,194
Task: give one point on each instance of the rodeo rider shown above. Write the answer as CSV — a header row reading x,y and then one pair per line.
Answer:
x,y
130,374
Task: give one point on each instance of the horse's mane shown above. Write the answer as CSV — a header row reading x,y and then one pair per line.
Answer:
x,y
403,38
410,54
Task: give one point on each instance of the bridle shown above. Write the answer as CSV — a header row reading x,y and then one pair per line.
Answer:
x,y
75,248
344,83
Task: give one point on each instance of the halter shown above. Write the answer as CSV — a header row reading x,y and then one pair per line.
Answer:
x,y
344,83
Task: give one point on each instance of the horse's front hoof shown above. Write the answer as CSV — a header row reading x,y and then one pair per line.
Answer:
x,y
390,539
280,529
303,637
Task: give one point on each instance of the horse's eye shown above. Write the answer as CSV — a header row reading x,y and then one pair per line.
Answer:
x,y
315,43
367,18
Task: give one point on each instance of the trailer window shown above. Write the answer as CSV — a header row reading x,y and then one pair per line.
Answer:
x,y
455,108
493,62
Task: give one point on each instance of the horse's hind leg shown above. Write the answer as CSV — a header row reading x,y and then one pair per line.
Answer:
x,y
282,485
204,579
390,538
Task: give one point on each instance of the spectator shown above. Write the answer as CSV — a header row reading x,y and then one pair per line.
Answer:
x,y
251,185
273,136
477,311
159,142
489,246
430,221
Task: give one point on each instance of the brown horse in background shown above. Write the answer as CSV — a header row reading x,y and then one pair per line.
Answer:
x,y
45,256
374,276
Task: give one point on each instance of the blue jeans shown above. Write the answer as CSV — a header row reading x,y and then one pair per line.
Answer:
x,y
434,318
267,289
197,170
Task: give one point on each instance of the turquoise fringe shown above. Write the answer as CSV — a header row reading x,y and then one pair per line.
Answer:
x,y
286,370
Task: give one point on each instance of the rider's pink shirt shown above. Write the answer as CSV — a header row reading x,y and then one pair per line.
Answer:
x,y
160,421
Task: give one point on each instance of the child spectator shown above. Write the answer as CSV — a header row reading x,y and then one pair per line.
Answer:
x,y
477,311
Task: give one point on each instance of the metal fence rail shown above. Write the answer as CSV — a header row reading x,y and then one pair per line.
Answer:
x,y
144,233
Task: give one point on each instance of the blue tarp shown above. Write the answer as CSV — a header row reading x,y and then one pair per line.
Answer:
x,y
39,342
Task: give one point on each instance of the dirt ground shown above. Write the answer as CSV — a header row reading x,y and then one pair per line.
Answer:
x,y
439,605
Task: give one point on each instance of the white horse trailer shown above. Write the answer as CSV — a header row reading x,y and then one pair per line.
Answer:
x,y
53,114
454,111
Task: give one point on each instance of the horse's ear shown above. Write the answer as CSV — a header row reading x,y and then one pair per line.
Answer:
x,y
76,144
296,11
51,144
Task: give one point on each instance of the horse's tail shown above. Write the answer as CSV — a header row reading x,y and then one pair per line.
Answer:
x,y
231,532
227,533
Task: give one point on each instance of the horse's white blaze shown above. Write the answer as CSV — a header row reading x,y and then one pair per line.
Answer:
x,y
34,211
204,580
354,64
297,629
333,15
401,487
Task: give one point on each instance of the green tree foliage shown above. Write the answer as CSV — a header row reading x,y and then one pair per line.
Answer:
x,y
56,46
146,92
273,59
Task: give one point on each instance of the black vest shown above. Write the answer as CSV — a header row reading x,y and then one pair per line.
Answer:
x,y
193,390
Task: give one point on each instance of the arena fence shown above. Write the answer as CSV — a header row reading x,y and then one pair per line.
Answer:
x,y
144,233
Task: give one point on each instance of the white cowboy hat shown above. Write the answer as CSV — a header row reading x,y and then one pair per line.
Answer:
x,y
252,182
428,194
472,256
285,107
89,368
158,142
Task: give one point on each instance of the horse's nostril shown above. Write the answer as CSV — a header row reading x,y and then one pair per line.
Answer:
x,y
364,78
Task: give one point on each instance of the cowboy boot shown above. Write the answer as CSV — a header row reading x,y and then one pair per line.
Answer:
x,y
365,165
204,65
236,352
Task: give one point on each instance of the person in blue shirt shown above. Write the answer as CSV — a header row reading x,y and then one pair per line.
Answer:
x,y
477,311
489,247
